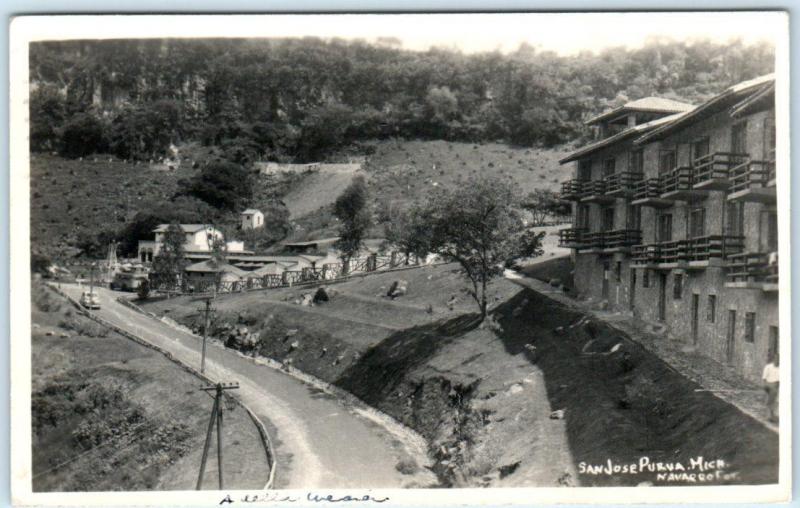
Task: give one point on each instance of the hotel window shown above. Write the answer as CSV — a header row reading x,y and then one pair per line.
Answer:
x,y
700,148
634,217
697,223
636,161
735,222
585,170
711,314
667,161
609,166
739,138
618,271
665,227
750,327
608,218
769,139
583,217
677,286
646,278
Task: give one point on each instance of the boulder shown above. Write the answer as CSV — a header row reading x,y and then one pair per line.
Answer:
x,y
398,288
321,295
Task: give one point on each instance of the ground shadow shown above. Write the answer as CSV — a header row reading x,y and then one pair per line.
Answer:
x,y
629,404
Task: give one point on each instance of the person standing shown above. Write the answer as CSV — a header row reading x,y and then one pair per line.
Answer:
x,y
771,379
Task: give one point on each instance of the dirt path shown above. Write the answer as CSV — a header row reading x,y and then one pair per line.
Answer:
x,y
320,442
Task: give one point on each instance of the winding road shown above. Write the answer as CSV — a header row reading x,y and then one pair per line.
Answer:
x,y
320,441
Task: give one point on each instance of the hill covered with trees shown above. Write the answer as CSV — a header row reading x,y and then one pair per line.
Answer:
x,y
299,99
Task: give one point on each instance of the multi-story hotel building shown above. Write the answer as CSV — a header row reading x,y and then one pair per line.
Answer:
x,y
675,220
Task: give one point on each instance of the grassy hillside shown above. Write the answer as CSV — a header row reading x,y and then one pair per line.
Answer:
x,y
400,171
72,198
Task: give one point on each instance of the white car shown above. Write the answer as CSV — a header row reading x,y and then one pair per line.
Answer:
x,y
90,300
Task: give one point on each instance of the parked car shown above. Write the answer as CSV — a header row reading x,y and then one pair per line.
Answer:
x,y
90,300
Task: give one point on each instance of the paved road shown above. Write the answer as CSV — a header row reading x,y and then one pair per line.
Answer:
x,y
321,443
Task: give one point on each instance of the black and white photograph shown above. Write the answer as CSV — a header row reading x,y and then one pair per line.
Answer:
x,y
384,258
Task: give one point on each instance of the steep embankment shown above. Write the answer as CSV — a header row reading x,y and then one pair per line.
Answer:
x,y
485,396
109,414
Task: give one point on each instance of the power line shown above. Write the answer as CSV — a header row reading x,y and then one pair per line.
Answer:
x,y
216,417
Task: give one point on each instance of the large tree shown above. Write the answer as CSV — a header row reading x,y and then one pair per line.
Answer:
x,y
170,262
355,217
224,185
477,225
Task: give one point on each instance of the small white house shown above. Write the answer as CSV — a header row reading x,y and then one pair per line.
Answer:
x,y
198,238
252,219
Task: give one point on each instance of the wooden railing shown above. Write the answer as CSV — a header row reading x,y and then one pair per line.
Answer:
x,y
751,267
649,188
752,174
692,249
622,238
715,166
622,182
593,188
677,179
571,189
570,237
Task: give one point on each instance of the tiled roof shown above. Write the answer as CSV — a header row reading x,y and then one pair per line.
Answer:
x,y
646,104
620,136
211,267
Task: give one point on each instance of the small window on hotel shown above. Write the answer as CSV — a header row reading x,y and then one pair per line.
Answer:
x,y
711,315
646,278
750,327
677,286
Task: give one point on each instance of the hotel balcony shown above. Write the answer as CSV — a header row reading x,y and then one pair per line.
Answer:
x,y
619,240
571,238
648,193
622,184
595,192
712,171
571,190
752,270
678,185
693,253
753,181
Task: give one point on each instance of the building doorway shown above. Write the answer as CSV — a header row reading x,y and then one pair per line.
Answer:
x,y
662,296
695,317
730,343
632,295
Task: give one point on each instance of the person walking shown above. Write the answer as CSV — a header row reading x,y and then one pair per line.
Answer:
x,y
771,379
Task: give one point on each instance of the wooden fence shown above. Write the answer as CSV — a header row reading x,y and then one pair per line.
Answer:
x,y
326,272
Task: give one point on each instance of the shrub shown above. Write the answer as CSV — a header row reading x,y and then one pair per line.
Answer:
x,y
82,135
224,185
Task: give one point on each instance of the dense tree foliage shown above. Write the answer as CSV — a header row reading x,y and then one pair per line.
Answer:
x,y
223,184
297,98
170,262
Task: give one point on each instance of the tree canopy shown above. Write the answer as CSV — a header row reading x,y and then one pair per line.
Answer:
x,y
298,98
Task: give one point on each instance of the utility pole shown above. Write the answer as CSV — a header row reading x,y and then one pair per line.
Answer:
x,y
216,417
208,310
91,278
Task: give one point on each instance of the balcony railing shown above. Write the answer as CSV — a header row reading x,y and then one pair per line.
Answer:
x,y
622,183
622,238
752,175
571,189
679,179
571,237
752,267
594,240
647,254
649,188
714,168
693,249
714,246
593,188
